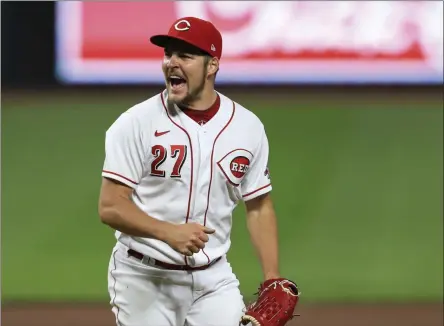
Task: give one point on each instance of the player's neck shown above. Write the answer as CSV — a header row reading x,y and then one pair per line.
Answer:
x,y
205,101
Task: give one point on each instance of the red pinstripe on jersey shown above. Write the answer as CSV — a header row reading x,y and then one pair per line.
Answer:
x,y
192,163
211,168
254,191
119,175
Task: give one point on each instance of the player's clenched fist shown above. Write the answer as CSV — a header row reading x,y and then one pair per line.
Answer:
x,y
189,238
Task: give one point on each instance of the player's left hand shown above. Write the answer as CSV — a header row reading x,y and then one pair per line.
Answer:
x,y
275,305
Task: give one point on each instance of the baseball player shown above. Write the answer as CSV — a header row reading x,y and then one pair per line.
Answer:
x,y
176,165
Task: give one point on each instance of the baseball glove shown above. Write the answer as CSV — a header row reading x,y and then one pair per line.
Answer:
x,y
275,304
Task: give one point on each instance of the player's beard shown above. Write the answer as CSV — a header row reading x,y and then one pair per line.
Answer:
x,y
193,93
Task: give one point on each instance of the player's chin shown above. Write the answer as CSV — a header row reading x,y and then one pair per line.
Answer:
x,y
177,93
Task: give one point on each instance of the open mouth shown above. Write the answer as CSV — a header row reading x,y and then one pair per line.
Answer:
x,y
177,82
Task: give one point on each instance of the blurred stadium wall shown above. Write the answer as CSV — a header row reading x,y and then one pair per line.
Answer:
x,y
356,165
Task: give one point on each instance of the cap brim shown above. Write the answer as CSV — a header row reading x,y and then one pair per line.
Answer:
x,y
163,40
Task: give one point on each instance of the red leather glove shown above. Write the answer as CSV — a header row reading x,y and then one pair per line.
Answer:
x,y
275,305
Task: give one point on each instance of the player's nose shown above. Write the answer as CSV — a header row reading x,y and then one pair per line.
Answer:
x,y
172,61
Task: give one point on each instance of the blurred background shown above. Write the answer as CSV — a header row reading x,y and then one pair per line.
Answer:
x,y
350,93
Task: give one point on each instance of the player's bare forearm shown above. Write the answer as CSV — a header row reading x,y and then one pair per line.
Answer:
x,y
126,217
262,226
118,211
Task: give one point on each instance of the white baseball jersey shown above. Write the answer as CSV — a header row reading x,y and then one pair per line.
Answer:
x,y
185,172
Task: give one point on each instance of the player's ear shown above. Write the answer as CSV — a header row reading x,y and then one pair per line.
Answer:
x,y
212,66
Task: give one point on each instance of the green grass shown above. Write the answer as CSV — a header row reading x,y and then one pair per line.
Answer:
x,y
357,189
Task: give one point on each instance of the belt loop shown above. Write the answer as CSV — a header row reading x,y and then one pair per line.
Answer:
x,y
146,260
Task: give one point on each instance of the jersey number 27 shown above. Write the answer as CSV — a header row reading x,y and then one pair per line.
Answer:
x,y
177,152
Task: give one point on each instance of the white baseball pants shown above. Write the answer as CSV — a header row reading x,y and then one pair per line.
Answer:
x,y
144,295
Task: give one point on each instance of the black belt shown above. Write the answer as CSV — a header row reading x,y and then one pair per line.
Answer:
x,y
175,267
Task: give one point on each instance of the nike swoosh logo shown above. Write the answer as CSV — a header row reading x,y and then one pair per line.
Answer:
x,y
157,134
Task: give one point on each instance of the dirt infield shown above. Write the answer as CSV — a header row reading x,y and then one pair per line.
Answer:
x,y
311,315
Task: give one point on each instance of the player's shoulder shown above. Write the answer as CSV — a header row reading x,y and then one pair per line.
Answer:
x,y
243,114
147,107
141,112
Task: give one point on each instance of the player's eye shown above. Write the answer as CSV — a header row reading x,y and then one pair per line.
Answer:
x,y
184,56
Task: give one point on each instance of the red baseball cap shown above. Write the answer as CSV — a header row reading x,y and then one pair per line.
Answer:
x,y
195,31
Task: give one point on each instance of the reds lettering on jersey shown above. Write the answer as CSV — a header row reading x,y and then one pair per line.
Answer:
x,y
184,172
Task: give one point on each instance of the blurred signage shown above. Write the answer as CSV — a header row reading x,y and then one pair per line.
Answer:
x,y
264,41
